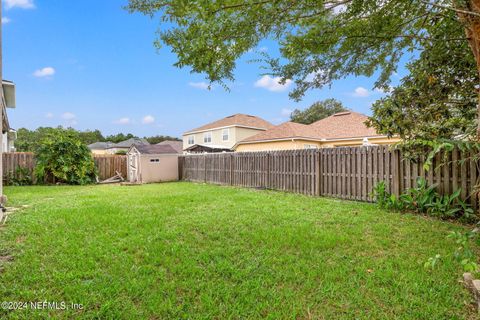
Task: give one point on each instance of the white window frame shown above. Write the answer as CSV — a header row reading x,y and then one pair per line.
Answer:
x,y
226,132
207,137
192,139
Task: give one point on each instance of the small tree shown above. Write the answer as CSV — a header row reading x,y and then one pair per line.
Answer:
x,y
64,158
317,111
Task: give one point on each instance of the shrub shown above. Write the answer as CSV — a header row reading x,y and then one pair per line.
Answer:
x,y
424,199
21,177
63,158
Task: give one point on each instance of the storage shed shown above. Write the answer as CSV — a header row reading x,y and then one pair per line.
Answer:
x,y
152,163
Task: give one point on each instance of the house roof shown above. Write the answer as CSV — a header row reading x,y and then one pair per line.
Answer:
x,y
344,125
341,125
284,131
154,149
100,145
128,143
238,119
207,148
177,145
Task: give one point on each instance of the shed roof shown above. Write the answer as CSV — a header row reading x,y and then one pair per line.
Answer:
x,y
154,149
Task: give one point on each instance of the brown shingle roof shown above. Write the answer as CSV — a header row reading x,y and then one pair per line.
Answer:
x,y
154,149
344,125
177,145
236,119
284,131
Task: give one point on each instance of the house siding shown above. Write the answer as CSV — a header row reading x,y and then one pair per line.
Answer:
x,y
236,134
300,144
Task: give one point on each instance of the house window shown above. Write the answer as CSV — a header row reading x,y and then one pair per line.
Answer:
x,y
207,137
154,160
310,146
191,139
225,134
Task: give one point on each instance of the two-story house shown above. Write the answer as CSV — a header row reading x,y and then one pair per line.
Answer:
x,y
223,134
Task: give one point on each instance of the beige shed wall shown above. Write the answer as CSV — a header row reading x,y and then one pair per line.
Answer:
x,y
164,170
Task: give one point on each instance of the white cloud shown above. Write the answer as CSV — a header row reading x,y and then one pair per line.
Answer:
x,y
272,84
23,4
6,20
68,116
286,112
361,92
124,120
44,72
148,119
199,85
49,115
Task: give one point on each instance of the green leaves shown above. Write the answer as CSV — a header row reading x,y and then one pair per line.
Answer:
x,y
62,158
317,111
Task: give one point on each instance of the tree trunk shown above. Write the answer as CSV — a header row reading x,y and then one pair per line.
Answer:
x,y
472,31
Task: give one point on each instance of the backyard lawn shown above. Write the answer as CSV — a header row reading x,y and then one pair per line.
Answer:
x,y
183,250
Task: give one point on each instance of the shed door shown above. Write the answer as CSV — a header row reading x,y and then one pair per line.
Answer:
x,y
133,167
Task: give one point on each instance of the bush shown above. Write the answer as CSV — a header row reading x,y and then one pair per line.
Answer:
x,y
426,200
21,177
63,158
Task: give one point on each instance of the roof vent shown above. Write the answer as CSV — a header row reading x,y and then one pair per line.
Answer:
x,y
341,114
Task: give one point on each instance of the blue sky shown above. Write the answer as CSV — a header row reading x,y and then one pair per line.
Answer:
x,y
91,65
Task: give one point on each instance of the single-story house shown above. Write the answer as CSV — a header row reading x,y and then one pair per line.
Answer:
x,y
339,130
175,144
225,133
152,163
114,148
124,146
100,147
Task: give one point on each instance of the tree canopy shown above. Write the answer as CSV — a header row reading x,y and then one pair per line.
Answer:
x,y
437,100
30,140
317,111
320,40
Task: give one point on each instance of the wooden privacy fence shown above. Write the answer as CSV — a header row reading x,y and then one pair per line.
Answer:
x,y
105,164
346,173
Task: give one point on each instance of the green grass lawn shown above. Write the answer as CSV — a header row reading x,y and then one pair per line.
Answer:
x,y
182,250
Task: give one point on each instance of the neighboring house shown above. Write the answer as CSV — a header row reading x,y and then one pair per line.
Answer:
x,y
176,145
124,146
223,134
341,129
100,147
9,135
152,163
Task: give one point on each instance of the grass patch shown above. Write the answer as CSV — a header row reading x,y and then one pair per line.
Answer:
x,y
182,250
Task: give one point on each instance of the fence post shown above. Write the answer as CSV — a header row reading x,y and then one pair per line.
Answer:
x,y
396,178
318,172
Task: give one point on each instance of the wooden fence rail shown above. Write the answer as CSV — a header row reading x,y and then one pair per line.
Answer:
x,y
346,173
106,165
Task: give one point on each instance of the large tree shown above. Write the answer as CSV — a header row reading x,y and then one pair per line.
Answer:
x,y
317,111
320,40
437,99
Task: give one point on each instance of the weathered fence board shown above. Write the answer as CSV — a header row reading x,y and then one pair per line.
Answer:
x,y
347,173
106,165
